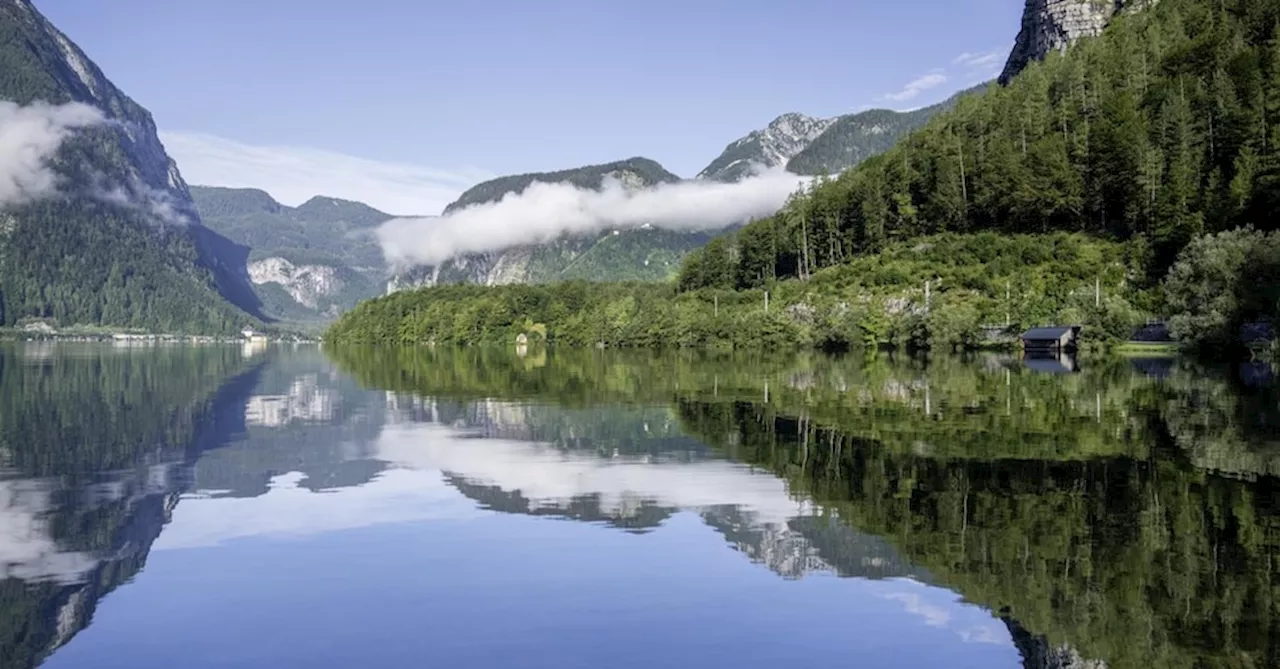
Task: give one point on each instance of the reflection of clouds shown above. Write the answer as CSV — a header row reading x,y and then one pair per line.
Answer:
x,y
945,610
415,490
934,616
543,473
306,401
27,550
395,496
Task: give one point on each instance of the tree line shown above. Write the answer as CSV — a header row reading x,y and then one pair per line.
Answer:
x,y
1165,128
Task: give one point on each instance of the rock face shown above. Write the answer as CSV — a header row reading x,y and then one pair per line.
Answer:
x,y
307,263
811,146
306,284
1054,25
772,146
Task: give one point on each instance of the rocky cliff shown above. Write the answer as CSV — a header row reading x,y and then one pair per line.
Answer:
x,y
811,146
306,284
1053,25
772,146
308,262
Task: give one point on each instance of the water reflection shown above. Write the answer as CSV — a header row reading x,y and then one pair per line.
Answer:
x,y
986,511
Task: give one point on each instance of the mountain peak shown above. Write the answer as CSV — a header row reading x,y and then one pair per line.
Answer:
x,y
1054,25
324,200
329,209
772,146
223,201
641,171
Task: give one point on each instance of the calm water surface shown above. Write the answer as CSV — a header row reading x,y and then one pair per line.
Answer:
x,y
279,507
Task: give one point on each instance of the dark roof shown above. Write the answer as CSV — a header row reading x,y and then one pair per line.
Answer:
x,y
1054,332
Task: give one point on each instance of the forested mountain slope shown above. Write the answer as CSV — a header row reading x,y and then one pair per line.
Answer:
x,y
100,228
1164,127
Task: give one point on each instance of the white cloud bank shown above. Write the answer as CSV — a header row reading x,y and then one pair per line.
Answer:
x,y
917,86
545,211
29,137
293,174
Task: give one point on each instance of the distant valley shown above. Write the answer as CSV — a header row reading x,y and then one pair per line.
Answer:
x,y
309,262
126,244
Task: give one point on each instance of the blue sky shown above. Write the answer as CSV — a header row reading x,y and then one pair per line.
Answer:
x,y
404,103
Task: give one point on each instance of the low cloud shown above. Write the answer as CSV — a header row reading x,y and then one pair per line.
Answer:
x,y
29,137
293,174
917,86
980,61
543,212
160,205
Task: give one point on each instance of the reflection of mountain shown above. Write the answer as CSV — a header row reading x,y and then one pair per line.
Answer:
x,y
630,514
319,424
622,467
305,401
66,541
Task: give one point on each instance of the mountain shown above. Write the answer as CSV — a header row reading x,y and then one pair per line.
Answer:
x,y
643,254
853,138
810,146
636,171
96,224
307,262
1053,25
773,146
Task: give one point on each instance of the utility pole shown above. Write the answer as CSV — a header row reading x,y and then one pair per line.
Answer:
x,y
766,301
1097,291
716,299
926,295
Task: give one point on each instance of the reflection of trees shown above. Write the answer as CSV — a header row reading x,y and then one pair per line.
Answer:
x,y
94,408
950,408
1085,509
119,429
1221,425
1139,561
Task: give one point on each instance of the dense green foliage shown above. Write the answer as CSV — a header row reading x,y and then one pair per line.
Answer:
x,y
650,254
80,262
976,281
648,171
1166,126
1222,283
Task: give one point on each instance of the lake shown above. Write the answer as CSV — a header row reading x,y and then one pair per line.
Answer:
x,y
280,506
